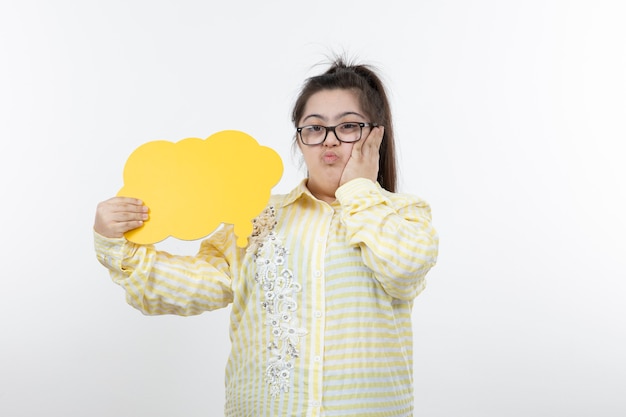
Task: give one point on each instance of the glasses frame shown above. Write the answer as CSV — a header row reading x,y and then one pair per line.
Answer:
x,y
332,129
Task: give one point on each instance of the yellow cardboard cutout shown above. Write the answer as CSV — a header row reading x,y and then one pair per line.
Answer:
x,y
193,185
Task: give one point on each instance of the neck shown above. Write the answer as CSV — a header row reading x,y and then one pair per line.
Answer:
x,y
326,194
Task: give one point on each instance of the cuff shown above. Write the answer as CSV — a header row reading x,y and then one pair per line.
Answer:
x,y
109,250
360,192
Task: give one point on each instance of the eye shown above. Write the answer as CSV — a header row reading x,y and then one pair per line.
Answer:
x,y
349,126
313,128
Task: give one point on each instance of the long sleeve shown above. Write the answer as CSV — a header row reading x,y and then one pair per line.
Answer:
x,y
395,235
157,282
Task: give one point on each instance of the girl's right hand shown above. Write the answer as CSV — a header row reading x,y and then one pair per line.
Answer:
x,y
118,215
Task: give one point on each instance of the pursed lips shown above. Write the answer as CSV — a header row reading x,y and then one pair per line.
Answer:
x,y
330,157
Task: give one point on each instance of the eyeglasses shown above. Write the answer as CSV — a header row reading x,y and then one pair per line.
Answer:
x,y
345,132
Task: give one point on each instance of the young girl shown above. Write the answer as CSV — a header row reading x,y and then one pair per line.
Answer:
x,y
321,297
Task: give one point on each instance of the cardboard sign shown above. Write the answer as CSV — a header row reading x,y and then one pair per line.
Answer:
x,y
194,185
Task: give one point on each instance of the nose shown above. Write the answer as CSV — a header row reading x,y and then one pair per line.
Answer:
x,y
331,139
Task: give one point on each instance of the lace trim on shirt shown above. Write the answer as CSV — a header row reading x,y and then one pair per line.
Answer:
x,y
279,303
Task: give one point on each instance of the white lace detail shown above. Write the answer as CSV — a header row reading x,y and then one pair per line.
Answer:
x,y
279,304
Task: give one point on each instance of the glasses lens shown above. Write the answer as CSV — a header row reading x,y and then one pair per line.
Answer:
x,y
349,132
312,135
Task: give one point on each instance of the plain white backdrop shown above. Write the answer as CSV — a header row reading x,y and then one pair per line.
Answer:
x,y
510,121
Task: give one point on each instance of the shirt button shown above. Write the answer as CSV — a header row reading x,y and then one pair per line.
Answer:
x,y
316,403
318,274
317,359
318,314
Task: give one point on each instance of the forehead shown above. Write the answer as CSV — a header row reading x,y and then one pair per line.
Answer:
x,y
332,104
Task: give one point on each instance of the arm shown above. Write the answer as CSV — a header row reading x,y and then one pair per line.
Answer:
x,y
397,240
157,282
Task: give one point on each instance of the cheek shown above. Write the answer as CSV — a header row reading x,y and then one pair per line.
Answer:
x,y
306,155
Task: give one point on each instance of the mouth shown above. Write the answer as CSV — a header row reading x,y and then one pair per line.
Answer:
x,y
330,157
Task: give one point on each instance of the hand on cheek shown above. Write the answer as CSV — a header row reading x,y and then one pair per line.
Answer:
x,y
363,162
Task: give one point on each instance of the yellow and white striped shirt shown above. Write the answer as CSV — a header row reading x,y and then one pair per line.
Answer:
x,y
321,299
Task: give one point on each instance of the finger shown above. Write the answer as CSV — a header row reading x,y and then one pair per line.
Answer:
x,y
123,204
126,226
357,148
375,138
124,200
128,203
132,208
126,216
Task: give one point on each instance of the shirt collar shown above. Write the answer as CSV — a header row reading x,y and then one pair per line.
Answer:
x,y
301,191
295,194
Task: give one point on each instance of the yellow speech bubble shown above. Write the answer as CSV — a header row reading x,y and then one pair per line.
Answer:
x,y
194,185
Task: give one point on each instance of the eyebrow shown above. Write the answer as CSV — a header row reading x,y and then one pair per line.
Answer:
x,y
319,116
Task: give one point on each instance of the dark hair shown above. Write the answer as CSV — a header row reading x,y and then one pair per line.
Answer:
x,y
373,100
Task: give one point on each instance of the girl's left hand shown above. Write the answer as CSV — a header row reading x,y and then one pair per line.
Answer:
x,y
363,162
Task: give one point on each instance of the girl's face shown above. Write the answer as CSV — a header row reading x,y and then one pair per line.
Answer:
x,y
325,162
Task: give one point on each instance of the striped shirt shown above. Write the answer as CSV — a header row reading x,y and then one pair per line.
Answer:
x,y
320,299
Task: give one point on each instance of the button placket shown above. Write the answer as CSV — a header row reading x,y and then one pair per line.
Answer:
x,y
318,255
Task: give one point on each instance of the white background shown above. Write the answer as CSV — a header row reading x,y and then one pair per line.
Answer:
x,y
510,120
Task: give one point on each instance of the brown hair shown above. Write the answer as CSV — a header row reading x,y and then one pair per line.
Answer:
x,y
373,99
